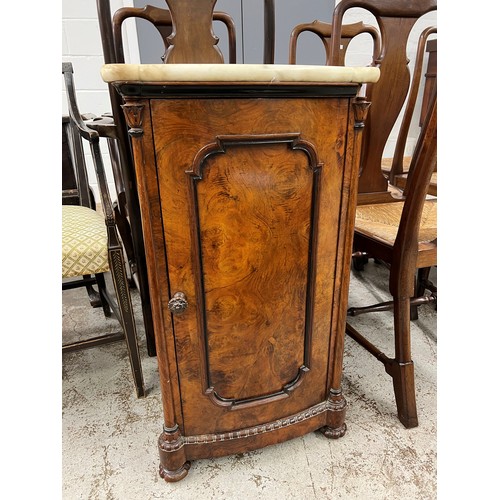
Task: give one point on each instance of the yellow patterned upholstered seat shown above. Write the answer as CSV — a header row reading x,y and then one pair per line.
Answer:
x,y
84,242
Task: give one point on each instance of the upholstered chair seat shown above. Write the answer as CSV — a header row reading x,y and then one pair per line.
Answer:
x,y
84,242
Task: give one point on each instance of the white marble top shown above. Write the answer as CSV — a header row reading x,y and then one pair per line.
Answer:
x,y
271,73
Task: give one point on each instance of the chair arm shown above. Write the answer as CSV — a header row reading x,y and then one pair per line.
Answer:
x,y
74,113
105,126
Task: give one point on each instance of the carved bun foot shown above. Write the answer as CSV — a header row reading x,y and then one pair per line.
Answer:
x,y
331,433
176,475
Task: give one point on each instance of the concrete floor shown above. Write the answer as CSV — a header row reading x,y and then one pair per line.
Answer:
x,y
110,437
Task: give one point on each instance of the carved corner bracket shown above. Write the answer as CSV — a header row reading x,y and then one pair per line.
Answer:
x,y
134,115
360,106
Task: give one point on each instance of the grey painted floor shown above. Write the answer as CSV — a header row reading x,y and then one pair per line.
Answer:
x,y
109,436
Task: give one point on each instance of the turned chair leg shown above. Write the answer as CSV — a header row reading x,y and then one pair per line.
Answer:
x,y
127,320
401,367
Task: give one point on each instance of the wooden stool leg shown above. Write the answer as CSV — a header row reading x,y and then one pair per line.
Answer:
x,y
127,320
401,368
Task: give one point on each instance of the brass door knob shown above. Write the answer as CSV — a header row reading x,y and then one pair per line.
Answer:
x,y
178,303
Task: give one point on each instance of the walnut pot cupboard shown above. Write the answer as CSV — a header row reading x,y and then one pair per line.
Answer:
x,y
247,190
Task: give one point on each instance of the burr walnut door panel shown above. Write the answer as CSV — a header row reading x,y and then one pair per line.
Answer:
x,y
250,196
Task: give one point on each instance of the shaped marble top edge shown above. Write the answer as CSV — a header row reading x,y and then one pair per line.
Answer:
x,y
272,73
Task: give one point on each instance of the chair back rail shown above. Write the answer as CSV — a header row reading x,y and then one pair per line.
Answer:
x,y
74,170
324,30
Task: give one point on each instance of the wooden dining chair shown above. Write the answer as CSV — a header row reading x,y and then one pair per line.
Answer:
x,y
403,235
395,20
91,246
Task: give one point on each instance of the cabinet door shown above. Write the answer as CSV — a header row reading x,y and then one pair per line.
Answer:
x,y
250,193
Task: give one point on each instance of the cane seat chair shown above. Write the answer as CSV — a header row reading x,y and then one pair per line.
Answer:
x,y
91,246
403,235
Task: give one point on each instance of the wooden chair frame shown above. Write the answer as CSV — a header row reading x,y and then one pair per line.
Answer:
x,y
127,211
405,257
116,257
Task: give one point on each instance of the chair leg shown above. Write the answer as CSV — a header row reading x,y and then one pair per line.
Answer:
x,y
422,279
127,320
101,285
94,297
401,367
358,261
422,284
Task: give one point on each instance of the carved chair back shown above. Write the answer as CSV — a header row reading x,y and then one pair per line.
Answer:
x,y
397,161
161,19
395,20
324,31
75,184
